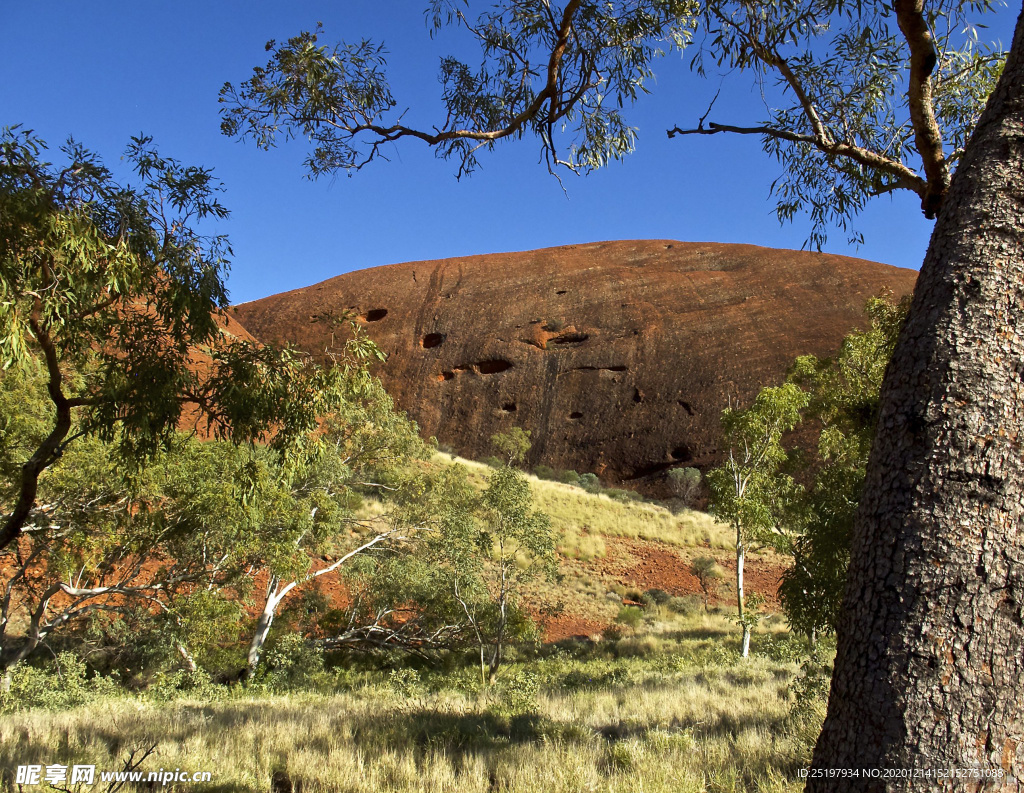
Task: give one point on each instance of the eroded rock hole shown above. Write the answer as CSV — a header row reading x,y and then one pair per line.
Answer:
x,y
571,338
494,366
562,292
446,376
685,406
575,415
638,395
509,407
682,453
376,314
432,340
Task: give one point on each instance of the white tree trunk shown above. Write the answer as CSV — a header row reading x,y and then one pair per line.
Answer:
x,y
741,553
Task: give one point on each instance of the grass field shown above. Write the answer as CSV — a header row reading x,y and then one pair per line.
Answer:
x,y
581,519
672,708
663,703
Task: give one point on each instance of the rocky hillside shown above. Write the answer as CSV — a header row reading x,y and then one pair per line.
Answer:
x,y
619,356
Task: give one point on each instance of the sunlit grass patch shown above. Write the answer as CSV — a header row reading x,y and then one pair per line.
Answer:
x,y
671,710
581,519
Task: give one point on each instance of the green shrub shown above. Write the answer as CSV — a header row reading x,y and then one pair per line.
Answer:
x,y
590,483
630,615
290,662
545,472
569,477
685,605
405,682
685,484
61,684
493,462
657,597
612,633
517,693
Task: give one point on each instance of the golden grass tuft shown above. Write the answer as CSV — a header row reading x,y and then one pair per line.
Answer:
x,y
581,519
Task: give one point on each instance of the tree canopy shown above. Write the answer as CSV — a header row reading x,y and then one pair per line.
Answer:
x,y
867,97
114,292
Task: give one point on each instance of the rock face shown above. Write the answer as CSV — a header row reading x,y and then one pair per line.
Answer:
x,y
618,356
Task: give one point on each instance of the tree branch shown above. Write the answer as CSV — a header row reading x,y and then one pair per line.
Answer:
x,y
907,178
927,135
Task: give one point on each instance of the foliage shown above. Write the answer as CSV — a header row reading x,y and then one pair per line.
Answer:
x,y
747,487
569,477
62,684
707,573
545,472
172,552
488,547
112,292
874,97
630,616
748,490
844,394
685,484
596,58
513,444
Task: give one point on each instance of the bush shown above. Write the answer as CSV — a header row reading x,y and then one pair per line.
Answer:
x,y
685,605
685,484
289,662
569,477
517,694
708,574
630,615
493,462
657,597
612,633
590,483
545,472
61,684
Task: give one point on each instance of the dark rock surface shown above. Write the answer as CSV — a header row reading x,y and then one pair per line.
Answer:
x,y
618,356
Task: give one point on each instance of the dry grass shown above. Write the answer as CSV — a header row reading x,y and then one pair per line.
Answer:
x,y
671,711
583,519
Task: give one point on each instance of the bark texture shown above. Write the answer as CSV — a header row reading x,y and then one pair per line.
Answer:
x,y
930,667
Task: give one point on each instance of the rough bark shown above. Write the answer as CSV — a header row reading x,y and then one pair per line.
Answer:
x,y
930,666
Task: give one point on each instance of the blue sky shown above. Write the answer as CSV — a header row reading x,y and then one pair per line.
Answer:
x,y
104,71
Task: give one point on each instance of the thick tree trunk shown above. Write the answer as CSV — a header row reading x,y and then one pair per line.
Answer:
x,y
930,667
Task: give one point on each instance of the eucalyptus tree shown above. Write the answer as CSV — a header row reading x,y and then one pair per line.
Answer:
x,y
929,652
310,508
488,546
561,74
748,486
843,408
113,291
104,543
873,96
